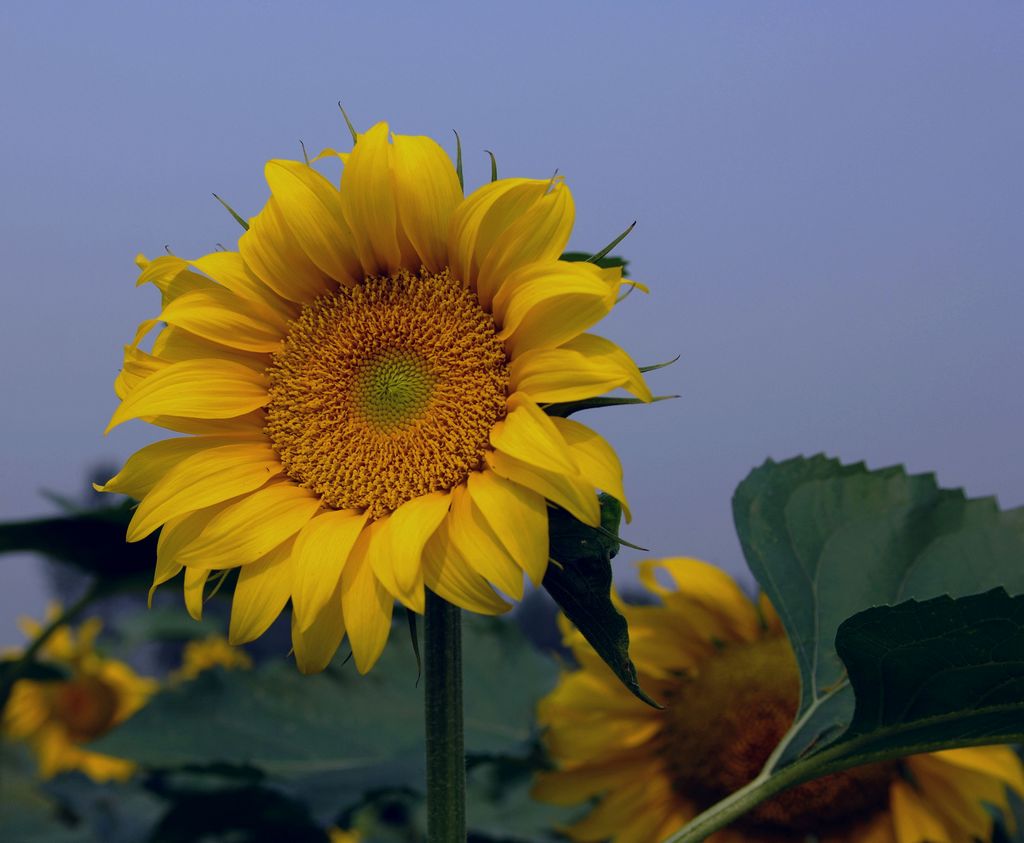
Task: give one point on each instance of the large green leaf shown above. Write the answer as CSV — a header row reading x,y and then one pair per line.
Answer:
x,y
927,675
580,581
827,541
357,728
91,540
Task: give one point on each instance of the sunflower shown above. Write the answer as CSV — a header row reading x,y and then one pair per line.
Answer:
x,y
207,653
55,717
362,384
728,676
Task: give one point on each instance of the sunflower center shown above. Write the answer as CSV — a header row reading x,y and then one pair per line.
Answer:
x,y
86,706
386,391
724,722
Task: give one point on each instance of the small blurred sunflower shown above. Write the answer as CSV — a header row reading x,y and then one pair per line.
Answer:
x,y
730,682
55,717
362,383
207,653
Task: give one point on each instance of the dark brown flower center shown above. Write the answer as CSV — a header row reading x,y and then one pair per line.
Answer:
x,y
86,706
724,722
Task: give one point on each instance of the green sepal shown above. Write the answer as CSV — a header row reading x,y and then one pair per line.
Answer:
x,y
655,366
351,129
494,165
579,579
564,409
601,254
458,161
235,213
608,262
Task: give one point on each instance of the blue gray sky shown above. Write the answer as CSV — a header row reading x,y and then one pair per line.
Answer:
x,y
829,197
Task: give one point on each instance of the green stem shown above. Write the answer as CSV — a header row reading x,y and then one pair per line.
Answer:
x,y
735,805
446,757
14,671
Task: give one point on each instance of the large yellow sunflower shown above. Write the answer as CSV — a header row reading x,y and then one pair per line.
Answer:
x,y
363,383
730,682
55,717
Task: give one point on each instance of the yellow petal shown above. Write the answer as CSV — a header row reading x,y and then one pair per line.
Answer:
x,y
541,234
559,374
174,344
316,645
312,210
999,762
731,616
230,270
449,575
368,202
558,301
176,534
596,347
912,817
426,192
528,434
195,584
222,317
251,528
476,222
476,542
274,254
172,277
205,478
261,592
138,366
505,225
205,389
320,552
596,459
396,553
166,569
251,424
146,466
571,492
366,604
518,516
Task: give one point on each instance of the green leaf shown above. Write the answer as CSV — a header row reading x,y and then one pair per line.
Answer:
x,y
827,541
93,541
36,671
928,675
607,262
26,813
499,807
579,579
338,722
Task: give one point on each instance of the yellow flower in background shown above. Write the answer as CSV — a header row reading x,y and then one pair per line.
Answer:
x,y
55,717
363,383
336,835
207,653
729,679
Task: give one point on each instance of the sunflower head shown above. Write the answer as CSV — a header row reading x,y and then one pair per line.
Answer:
x,y
56,717
361,387
729,679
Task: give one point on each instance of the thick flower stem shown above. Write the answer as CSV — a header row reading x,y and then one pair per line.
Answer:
x,y
446,757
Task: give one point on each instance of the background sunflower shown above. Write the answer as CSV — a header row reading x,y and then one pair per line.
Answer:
x,y
729,681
